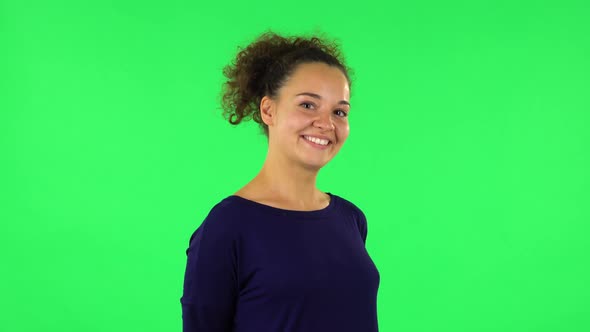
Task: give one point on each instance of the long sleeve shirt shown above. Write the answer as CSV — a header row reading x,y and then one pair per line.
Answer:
x,y
256,268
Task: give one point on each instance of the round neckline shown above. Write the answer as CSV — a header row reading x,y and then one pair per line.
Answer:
x,y
292,213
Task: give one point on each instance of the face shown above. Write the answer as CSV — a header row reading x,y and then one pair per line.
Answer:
x,y
312,104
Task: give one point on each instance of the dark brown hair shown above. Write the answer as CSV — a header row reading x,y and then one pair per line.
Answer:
x,y
264,66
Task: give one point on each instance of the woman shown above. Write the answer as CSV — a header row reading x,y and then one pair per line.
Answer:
x,y
279,255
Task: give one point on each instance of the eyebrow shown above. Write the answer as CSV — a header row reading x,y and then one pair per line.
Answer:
x,y
314,95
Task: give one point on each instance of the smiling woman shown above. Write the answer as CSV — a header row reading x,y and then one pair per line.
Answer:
x,y
280,254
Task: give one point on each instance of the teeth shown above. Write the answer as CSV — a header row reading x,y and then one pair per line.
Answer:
x,y
317,140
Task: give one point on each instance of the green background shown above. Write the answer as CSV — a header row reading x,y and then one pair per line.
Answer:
x,y
468,152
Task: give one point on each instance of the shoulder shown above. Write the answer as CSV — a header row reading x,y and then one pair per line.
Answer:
x,y
226,209
221,222
347,204
351,208
357,214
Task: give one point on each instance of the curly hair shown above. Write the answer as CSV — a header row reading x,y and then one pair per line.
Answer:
x,y
264,66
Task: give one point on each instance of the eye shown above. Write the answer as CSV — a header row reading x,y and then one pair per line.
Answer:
x,y
309,104
342,113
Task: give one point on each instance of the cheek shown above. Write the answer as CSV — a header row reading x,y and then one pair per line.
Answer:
x,y
291,128
343,131
298,121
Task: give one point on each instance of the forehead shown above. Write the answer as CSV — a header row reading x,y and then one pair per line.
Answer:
x,y
320,78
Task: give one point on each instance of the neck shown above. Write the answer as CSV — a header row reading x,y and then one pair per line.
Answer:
x,y
289,182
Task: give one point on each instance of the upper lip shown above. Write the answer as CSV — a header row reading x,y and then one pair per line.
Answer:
x,y
319,136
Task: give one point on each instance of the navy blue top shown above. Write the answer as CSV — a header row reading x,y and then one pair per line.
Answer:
x,y
256,268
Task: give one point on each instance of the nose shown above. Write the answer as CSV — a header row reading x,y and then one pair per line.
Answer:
x,y
324,121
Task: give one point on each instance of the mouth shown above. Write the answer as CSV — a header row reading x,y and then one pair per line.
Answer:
x,y
317,145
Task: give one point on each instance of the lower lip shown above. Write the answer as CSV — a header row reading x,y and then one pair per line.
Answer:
x,y
317,146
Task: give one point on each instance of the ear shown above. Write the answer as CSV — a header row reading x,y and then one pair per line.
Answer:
x,y
267,110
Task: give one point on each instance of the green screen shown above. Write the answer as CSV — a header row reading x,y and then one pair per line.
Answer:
x,y
468,152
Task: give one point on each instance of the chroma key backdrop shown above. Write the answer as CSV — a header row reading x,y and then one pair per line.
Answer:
x,y
469,152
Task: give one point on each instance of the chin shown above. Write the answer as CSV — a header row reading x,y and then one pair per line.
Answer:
x,y
317,166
